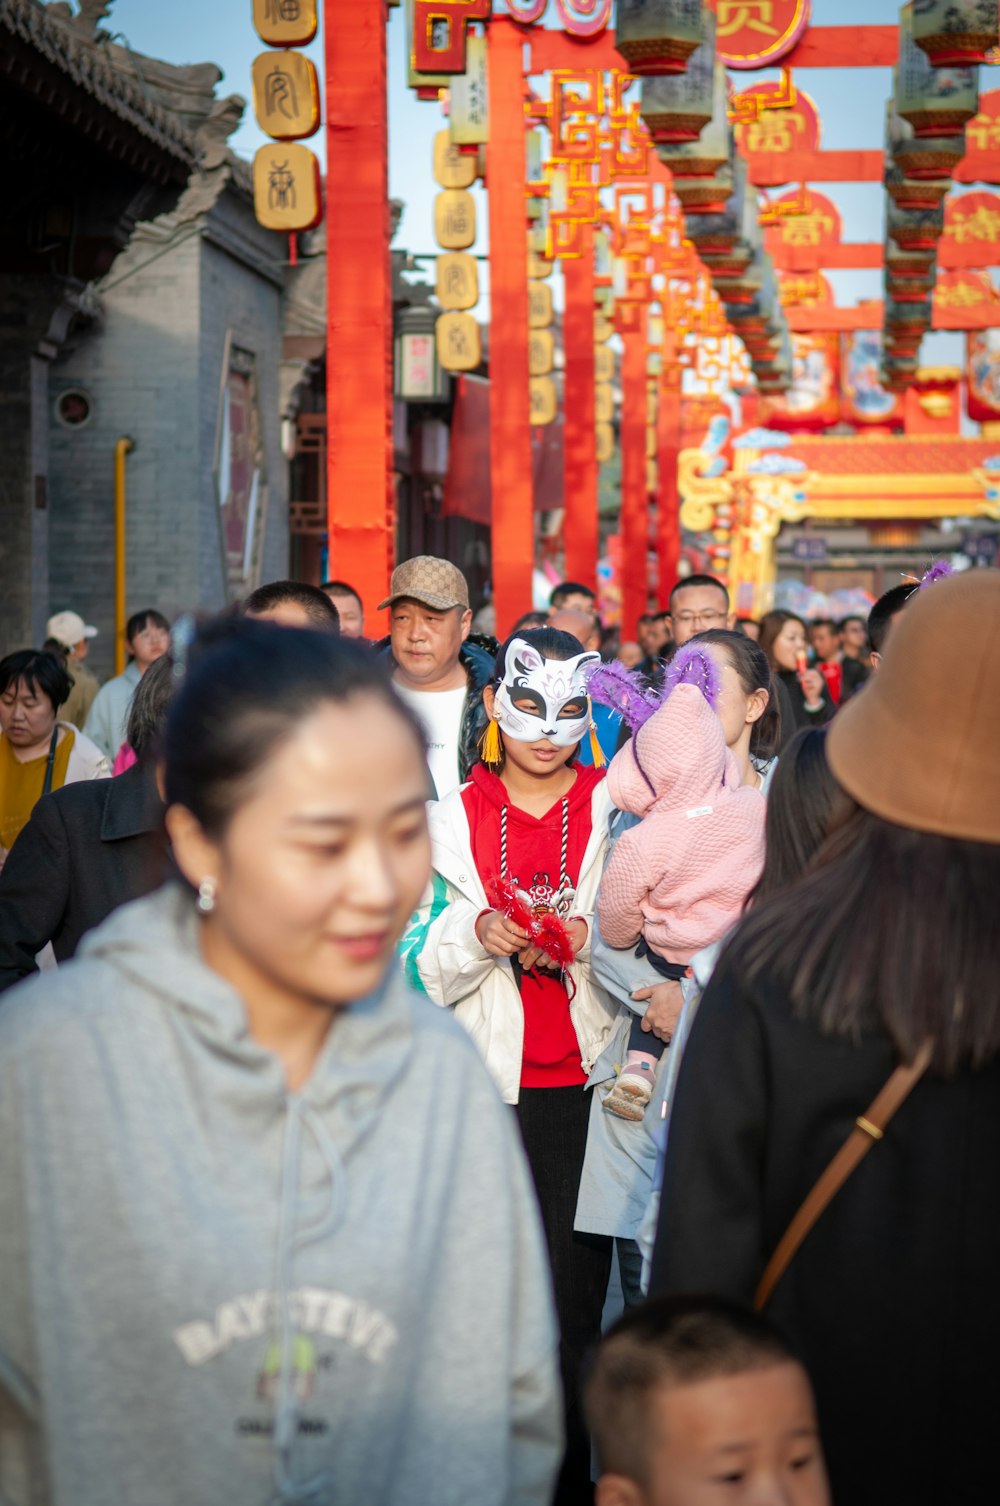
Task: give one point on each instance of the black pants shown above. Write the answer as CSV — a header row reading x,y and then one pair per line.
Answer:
x,y
554,1130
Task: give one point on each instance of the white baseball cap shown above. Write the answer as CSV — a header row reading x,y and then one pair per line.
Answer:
x,y
69,629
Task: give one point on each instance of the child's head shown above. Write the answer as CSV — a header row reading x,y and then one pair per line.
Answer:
x,y
697,1400
538,699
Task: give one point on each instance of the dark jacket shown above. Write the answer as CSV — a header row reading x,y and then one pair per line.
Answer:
x,y
797,701
478,658
87,849
893,1298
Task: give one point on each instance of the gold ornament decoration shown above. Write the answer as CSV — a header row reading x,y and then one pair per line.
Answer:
x,y
544,402
286,187
458,342
452,168
457,285
286,23
285,95
541,352
454,219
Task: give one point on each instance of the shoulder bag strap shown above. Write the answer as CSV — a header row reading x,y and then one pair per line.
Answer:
x,y
50,762
868,1128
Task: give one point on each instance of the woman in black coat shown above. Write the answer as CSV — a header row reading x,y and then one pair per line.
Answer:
x,y
784,639
889,942
87,848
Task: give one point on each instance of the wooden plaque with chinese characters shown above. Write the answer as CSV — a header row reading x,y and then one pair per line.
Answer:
x,y
286,23
459,347
541,352
604,364
539,305
457,281
452,168
286,187
469,116
604,404
544,402
455,219
605,436
285,95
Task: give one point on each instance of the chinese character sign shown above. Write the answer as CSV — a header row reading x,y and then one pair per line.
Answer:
x,y
286,187
285,95
286,23
756,33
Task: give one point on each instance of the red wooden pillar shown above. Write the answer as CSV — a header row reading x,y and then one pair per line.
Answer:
x,y
510,431
360,495
634,525
579,434
668,446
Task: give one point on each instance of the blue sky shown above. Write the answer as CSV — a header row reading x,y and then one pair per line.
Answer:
x,y
851,103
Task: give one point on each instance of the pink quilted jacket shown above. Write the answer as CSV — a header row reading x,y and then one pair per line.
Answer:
x,y
681,876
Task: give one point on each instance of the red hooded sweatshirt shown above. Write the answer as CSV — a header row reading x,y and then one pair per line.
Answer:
x,y
551,1051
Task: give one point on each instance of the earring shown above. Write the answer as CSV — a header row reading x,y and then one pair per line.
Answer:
x,y
206,896
490,746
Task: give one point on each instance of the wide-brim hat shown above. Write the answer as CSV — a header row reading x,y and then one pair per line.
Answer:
x,y
435,582
918,745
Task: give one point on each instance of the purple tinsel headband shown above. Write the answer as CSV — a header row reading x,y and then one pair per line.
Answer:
x,y
625,692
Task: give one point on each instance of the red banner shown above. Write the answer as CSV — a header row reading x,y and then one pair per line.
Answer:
x,y
361,498
510,431
579,435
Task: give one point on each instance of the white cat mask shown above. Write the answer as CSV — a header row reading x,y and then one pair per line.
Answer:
x,y
535,690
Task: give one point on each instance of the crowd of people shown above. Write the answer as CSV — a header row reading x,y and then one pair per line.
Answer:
x,y
384,1022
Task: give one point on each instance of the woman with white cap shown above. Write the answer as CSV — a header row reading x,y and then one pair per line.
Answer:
x,y
836,1131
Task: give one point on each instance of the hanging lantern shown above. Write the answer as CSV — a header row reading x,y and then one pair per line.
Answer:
x,y
725,232
921,157
936,101
714,146
915,229
705,195
678,106
909,289
955,32
915,314
914,193
658,36
902,264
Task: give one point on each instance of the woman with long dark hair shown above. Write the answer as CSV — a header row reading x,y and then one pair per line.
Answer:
x,y
784,638
884,958
266,1232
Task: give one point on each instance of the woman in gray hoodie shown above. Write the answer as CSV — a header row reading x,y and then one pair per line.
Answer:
x,y
266,1232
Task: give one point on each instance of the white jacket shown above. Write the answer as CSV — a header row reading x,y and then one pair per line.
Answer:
x,y
445,960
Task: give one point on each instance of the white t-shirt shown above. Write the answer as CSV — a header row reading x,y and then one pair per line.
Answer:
x,y
440,711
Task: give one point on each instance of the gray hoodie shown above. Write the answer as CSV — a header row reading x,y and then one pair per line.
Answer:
x,y
215,1293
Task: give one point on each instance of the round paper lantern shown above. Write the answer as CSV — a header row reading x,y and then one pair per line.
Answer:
x,y
955,32
658,36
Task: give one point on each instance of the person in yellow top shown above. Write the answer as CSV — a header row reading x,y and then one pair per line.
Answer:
x,y
38,753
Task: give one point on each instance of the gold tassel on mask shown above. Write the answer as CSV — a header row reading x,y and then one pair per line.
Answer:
x,y
596,751
490,746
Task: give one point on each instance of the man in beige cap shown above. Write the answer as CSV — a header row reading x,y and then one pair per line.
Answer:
x,y
73,636
436,671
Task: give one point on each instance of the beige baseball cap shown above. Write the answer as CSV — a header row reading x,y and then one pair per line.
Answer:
x,y
437,583
69,629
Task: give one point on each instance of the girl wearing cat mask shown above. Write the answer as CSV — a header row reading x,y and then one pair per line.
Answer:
x,y
524,842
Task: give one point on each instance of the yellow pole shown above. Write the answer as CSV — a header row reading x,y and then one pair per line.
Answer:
x,y
122,448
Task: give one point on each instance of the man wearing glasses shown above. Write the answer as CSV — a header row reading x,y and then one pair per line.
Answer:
x,y
698,603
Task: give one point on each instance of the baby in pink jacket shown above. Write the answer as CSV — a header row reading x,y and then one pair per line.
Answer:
x,y
680,878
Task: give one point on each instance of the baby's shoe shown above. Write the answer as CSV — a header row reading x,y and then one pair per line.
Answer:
x,y
632,1090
